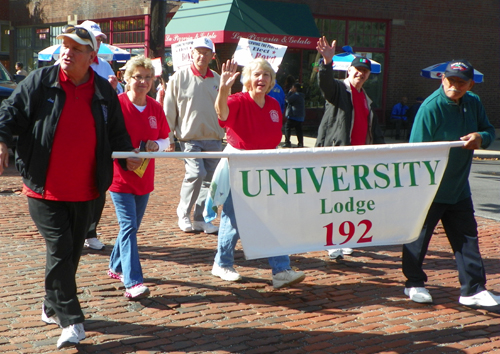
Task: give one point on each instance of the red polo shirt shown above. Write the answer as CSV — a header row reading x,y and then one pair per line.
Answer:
x,y
71,172
361,111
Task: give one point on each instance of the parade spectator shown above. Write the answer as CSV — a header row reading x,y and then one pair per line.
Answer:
x,y
252,121
147,125
162,86
279,95
295,115
452,113
20,69
189,107
102,68
69,121
349,118
398,116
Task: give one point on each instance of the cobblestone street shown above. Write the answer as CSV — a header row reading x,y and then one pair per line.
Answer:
x,y
352,306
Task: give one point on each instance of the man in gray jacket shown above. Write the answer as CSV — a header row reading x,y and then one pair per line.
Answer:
x,y
349,118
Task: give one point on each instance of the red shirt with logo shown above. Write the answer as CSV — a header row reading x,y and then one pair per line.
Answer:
x,y
149,124
71,173
249,127
361,112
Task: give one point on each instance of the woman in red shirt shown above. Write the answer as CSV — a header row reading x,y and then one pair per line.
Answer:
x,y
147,126
253,121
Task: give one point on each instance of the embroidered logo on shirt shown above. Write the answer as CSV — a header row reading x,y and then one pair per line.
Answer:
x,y
152,122
275,117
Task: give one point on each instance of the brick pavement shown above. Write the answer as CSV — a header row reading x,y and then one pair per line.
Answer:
x,y
353,306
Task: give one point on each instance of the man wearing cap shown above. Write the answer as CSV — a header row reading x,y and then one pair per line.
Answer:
x,y
102,68
189,107
69,121
348,118
452,113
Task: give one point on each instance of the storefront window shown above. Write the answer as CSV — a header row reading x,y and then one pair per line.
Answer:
x,y
4,38
129,31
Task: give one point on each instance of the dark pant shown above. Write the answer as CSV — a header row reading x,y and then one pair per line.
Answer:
x,y
98,208
294,124
398,124
461,229
64,226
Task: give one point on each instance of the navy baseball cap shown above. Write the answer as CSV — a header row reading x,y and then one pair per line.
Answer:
x,y
461,69
361,62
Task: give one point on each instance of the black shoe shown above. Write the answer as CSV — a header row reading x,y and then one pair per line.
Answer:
x,y
287,145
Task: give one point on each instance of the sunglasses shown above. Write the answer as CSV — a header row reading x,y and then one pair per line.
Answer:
x,y
79,31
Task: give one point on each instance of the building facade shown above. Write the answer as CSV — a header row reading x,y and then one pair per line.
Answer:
x,y
404,36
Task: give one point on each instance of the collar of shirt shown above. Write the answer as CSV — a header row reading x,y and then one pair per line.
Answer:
x,y
197,73
64,79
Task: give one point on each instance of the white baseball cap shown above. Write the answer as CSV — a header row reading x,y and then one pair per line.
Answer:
x,y
204,42
94,27
80,35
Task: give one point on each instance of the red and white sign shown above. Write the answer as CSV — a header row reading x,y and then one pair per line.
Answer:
x,y
301,42
247,50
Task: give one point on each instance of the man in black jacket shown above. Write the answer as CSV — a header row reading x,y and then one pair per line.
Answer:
x,y
348,118
68,121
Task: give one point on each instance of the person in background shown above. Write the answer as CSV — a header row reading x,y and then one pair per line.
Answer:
x,y
147,125
189,107
398,115
279,95
452,113
69,121
349,118
20,69
162,86
295,114
412,113
252,121
102,68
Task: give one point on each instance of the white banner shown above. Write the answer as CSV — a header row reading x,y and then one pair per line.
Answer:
x,y
181,54
299,200
247,50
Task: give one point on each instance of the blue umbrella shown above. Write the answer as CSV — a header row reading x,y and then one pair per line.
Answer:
x,y
436,72
106,51
343,61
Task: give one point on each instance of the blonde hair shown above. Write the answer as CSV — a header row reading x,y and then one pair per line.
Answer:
x,y
135,62
256,64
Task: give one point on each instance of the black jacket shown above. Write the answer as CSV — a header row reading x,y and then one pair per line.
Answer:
x,y
337,122
32,112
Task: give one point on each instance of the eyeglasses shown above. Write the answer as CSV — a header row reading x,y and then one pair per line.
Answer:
x,y
80,32
142,79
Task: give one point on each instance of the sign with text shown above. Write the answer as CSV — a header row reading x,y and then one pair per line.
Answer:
x,y
300,200
181,54
247,50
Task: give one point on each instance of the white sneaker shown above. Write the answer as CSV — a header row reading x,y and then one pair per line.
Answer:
x,y
347,251
206,227
185,224
138,291
71,336
50,320
94,244
287,277
225,273
335,253
419,294
482,299
113,275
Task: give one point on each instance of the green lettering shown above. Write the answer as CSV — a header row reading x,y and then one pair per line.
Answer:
x,y
382,175
338,177
314,180
244,178
361,178
412,164
277,178
432,172
397,178
298,179
323,211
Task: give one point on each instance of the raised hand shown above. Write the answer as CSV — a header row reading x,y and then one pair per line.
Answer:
x,y
229,74
326,50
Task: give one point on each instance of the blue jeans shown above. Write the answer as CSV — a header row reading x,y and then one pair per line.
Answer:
x,y
229,236
124,259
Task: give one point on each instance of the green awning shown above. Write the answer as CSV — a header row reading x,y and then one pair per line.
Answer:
x,y
225,21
